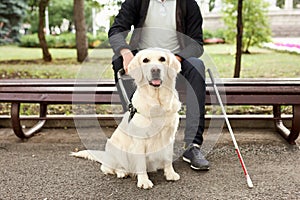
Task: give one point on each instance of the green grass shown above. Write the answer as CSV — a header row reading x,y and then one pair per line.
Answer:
x,y
20,53
17,62
260,63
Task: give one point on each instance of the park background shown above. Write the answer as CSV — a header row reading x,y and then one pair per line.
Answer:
x,y
270,46
41,168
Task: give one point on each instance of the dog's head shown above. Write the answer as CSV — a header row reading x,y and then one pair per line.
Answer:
x,y
154,66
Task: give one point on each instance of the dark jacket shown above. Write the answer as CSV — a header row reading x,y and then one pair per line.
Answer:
x,y
133,12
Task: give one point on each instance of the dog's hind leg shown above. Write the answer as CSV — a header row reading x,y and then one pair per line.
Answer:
x,y
170,173
107,170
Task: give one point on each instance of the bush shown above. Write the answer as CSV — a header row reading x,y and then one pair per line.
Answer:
x,y
29,41
207,34
100,41
220,33
216,37
65,40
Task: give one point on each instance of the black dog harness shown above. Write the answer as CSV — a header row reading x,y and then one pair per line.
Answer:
x,y
132,110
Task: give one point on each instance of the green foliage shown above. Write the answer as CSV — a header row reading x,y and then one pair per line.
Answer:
x,y
100,41
61,41
280,3
29,41
211,4
66,40
256,28
11,15
219,33
207,34
59,10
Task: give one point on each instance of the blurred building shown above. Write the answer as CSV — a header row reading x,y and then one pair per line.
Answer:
x,y
284,22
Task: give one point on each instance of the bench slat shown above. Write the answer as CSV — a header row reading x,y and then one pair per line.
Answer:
x,y
61,98
110,82
92,89
258,89
55,82
54,89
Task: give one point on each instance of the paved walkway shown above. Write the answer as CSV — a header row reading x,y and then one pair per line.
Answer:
x,y
41,168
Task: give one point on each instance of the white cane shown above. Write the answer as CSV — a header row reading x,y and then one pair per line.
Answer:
x,y
249,181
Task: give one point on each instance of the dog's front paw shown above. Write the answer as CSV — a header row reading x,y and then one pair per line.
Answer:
x,y
172,176
145,184
144,181
121,174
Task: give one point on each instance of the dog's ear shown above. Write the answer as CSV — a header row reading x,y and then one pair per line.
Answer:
x,y
134,69
174,66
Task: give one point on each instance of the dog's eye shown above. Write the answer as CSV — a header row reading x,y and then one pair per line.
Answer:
x,y
146,60
162,59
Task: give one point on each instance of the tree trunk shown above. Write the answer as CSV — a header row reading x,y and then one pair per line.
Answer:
x,y
41,34
239,40
80,27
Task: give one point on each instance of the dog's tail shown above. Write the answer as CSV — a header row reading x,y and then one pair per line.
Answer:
x,y
86,154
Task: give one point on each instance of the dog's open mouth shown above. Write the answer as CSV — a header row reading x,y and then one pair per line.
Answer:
x,y
155,82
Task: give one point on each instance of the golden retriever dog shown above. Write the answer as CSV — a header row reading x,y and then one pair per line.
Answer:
x,y
145,142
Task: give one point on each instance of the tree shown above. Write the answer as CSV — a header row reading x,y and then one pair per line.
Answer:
x,y
256,28
40,6
80,26
12,13
41,33
239,40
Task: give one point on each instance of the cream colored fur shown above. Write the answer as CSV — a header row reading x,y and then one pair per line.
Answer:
x,y
148,139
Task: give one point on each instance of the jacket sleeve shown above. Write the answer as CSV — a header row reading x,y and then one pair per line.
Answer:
x,y
193,38
119,30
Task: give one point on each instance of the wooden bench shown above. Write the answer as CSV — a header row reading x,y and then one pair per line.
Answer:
x,y
275,92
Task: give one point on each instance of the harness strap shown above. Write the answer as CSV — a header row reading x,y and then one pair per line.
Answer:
x,y
132,110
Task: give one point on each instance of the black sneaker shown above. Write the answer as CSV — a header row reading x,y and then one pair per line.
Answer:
x,y
194,156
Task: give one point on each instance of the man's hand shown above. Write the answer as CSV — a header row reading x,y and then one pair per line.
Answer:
x,y
127,57
178,58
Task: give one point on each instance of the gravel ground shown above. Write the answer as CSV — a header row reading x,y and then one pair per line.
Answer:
x,y
41,168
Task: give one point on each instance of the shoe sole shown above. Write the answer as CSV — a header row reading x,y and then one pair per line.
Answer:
x,y
204,168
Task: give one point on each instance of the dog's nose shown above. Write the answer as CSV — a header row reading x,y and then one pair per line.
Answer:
x,y
155,70
155,73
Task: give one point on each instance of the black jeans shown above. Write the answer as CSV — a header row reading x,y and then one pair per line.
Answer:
x,y
193,71
193,79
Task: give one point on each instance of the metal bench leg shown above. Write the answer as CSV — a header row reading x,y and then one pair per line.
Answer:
x,y
289,135
16,121
295,125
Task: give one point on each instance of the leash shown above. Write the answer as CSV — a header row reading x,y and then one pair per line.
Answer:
x,y
132,110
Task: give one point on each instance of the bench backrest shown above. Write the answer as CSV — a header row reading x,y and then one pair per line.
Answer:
x,y
234,91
